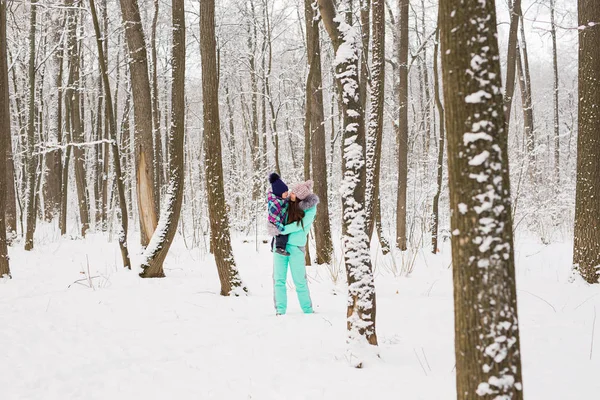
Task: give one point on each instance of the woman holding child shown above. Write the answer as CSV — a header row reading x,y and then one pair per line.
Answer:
x,y
291,215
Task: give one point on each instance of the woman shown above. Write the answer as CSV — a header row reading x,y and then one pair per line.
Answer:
x,y
301,214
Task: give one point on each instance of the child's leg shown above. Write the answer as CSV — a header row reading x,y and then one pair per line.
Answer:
x,y
281,241
280,244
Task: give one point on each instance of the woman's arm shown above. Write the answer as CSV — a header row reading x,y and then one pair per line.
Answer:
x,y
309,217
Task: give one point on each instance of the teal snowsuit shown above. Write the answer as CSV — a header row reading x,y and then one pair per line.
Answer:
x,y
296,241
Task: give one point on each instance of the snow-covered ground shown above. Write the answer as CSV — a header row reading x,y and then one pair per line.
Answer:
x,y
176,338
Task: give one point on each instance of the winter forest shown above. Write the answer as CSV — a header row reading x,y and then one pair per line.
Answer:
x,y
428,171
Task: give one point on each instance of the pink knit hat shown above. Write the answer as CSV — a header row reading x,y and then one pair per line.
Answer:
x,y
303,189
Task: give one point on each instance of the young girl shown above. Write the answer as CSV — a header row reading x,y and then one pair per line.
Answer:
x,y
277,203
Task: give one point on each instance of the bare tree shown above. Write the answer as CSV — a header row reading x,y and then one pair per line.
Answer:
x,y
32,159
159,245
255,139
440,159
158,152
526,103
76,133
113,138
361,287
555,97
586,249
142,110
511,58
402,127
365,33
5,137
219,221
487,349
53,159
375,128
316,123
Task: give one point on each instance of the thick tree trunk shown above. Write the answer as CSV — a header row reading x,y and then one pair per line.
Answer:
x,y
163,236
113,137
219,220
402,128
324,245
5,138
440,159
361,311
142,111
487,350
32,159
586,249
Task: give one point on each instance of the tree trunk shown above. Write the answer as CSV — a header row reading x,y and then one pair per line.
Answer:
x,y
402,128
525,87
158,153
53,159
308,133
375,128
97,167
142,111
219,220
113,137
426,93
586,249
488,361
361,311
269,96
555,98
324,245
511,59
159,245
365,10
32,159
77,128
440,159
62,222
255,148
5,138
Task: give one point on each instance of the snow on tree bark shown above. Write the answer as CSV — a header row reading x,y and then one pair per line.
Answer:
x,y
586,250
487,349
361,287
157,249
219,221
376,122
32,159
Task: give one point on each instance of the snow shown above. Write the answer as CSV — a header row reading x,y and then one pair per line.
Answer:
x,y
477,97
177,338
